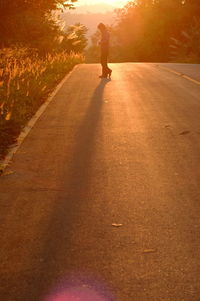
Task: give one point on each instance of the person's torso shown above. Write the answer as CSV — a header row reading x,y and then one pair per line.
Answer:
x,y
105,39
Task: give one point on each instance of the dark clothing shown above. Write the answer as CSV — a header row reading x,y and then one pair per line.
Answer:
x,y
105,37
105,40
104,62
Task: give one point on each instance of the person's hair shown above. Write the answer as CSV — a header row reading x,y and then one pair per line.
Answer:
x,y
101,26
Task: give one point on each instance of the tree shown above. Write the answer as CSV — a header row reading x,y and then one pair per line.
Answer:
x,y
75,38
187,47
29,21
145,27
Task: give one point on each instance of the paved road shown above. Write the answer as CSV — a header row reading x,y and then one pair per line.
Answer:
x,y
192,70
123,152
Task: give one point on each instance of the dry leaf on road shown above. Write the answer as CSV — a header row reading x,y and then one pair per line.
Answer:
x,y
184,133
117,225
149,251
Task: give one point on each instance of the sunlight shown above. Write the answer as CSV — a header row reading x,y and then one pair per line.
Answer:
x,y
117,3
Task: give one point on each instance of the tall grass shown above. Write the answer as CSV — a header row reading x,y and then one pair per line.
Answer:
x,y
25,81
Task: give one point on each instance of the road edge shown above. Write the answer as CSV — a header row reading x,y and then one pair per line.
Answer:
x,y
26,130
179,74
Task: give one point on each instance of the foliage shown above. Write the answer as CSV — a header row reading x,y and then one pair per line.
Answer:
x,y
144,29
187,48
30,23
74,38
25,82
93,52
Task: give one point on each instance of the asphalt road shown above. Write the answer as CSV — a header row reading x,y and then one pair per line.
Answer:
x,y
103,196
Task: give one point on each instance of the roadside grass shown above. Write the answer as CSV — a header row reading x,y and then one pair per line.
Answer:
x,y
26,80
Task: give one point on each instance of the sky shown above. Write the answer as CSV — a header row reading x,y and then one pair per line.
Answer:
x,y
117,3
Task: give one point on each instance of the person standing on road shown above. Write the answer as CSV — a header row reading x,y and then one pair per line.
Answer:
x,y
104,44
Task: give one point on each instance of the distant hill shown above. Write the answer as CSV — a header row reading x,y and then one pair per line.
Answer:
x,y
95,8
90,16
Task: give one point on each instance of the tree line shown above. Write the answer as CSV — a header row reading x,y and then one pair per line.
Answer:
x,y
145,30
34,24
155,31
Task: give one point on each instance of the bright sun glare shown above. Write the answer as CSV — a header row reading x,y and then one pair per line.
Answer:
x,y
118,3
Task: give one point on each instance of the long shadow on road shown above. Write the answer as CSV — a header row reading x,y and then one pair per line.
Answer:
x,y
74,197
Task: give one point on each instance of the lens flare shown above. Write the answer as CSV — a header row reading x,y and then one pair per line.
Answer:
x,y
80,290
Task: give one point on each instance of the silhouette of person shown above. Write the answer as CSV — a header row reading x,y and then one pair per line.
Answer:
x,y
104,44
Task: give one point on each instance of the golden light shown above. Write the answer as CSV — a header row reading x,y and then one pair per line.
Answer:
x,y
117,3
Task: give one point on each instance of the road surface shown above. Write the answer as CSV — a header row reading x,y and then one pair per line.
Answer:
x,y
104,193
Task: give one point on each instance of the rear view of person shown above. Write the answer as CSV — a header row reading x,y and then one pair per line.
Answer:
x,y
104,44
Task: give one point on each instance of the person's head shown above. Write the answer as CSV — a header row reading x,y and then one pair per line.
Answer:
x,y
101,27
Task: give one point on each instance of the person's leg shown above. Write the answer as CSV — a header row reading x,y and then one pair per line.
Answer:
x,y
108,71
104,64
